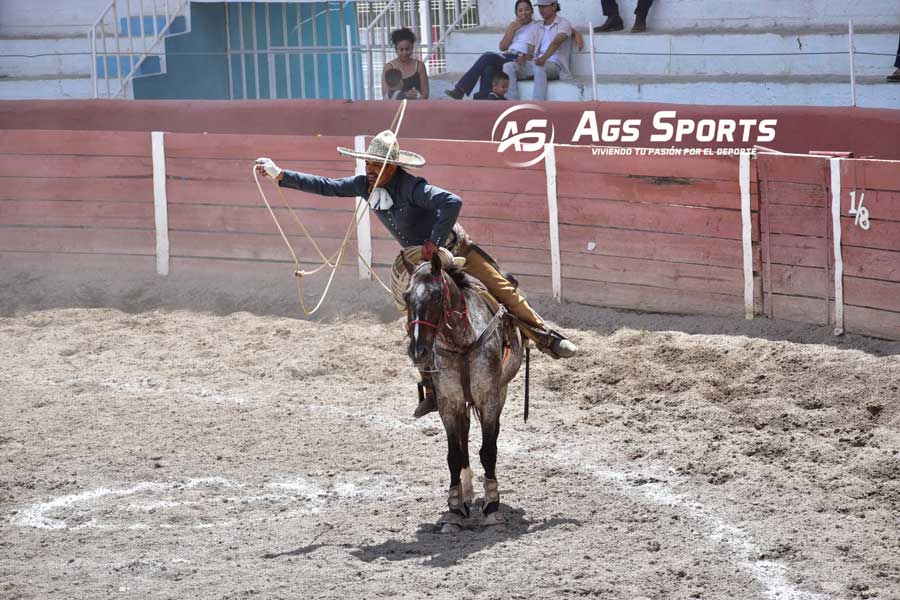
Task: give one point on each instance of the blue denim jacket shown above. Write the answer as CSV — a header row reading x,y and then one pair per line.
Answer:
x,y
420,211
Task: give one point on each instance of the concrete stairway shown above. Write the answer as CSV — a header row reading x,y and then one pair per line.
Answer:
x,y
52,62
695,52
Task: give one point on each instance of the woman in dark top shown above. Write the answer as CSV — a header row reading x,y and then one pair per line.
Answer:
x,y
415,77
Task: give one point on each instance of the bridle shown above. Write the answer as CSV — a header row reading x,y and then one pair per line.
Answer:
x,y
447,310
462,355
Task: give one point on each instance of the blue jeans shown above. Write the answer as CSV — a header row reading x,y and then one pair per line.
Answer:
x,y
484,68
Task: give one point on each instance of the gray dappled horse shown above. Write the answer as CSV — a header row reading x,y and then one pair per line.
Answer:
x,y
474,354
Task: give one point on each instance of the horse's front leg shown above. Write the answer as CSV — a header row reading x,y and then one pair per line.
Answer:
x,y
460,495
490,430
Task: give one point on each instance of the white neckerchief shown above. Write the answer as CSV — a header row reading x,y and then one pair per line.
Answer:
x,y
380,199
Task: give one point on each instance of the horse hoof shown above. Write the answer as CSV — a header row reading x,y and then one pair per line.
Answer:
x,y
494,519
451,528
489,508
451,522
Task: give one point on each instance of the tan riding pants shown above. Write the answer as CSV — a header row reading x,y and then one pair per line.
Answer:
x,y
506,293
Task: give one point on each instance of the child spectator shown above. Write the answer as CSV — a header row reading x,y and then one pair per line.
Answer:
x,y
394,80
499,87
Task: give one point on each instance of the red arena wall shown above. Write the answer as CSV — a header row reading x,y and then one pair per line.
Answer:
x,y
655,234
800,129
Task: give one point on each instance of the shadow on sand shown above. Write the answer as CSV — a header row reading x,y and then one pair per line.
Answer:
x,y
442,550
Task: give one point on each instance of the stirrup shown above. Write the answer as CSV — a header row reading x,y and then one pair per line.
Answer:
x,y
426,402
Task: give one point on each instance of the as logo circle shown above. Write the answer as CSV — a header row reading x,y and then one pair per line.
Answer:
x,y
523,132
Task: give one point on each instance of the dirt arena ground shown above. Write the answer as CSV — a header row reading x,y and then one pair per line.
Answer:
x,y
150,452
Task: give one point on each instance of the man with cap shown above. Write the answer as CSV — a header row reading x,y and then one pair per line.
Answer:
x,y
551,56
419,214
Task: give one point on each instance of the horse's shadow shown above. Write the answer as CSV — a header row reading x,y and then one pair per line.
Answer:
x,y
443,549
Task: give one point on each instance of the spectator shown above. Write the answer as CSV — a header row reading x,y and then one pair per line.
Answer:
x,y
412,70
394,80
551,59
895,76
518,43
499,87
614,20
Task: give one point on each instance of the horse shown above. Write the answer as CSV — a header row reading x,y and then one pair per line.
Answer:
x,y
473,353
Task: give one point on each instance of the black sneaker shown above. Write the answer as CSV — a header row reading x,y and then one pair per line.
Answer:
x,y
894,77
613,23
455,93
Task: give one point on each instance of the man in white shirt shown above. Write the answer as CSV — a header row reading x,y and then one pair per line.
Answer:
x,y
551,58
519,42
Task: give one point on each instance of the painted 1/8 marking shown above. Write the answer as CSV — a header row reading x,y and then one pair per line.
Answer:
x,y
861,212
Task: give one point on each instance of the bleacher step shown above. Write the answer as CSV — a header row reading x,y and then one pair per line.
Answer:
x,y
872,91
46,87
817,51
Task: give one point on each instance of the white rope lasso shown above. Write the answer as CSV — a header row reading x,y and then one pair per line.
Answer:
x,y
338,256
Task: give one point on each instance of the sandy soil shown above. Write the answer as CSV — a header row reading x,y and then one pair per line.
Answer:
x,y
158,453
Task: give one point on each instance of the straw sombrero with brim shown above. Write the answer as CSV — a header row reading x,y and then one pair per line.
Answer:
x,y
384,148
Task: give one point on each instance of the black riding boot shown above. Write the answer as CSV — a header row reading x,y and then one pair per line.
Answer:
x,y
427,402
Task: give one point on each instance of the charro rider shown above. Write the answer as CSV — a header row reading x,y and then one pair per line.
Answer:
x,y
419,214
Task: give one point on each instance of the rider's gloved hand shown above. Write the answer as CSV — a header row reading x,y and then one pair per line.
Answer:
x,y
428,249
267,166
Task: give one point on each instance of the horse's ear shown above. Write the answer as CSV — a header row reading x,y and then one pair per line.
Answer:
x,y
436,264
406,263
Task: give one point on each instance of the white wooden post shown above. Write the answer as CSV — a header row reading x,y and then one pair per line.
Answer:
x,y
835,164
363,227
160,202
746,233
553,211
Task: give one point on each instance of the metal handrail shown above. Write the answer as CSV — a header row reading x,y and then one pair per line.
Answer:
x,y
159,33
470,4
429,45
369,43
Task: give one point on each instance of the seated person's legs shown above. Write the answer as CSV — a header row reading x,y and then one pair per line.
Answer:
x,y
516,72
487,62
542,74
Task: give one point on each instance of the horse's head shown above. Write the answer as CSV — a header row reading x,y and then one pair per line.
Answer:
x,y
427,308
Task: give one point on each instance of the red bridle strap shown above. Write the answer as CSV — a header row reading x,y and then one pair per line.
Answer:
x,y
445,317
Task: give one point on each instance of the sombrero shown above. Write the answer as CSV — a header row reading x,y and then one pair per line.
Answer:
x,y
384,148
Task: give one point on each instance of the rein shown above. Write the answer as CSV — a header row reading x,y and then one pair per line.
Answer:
x,y
462,354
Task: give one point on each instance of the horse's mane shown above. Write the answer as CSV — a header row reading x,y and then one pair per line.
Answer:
x,y
462,280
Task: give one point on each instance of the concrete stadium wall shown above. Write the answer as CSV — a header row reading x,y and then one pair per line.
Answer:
x,y
49,17
655,234
865,132
722,14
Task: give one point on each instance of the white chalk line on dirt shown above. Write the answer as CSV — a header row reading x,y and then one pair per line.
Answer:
x,y
770,574
305,496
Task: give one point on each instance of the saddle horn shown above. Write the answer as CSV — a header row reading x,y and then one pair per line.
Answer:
x,y
436,264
